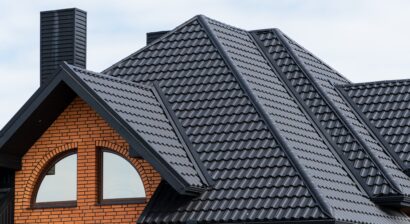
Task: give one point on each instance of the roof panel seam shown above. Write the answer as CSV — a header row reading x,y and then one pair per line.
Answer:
x,y
188,147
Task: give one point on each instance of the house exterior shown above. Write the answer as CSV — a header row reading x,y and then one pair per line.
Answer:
x,y
208,123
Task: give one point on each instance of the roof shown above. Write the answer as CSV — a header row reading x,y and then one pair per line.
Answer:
x,y
134,110
244,127
270,127
385,106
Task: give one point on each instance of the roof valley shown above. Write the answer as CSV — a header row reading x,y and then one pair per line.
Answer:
x,y
318,105
326,78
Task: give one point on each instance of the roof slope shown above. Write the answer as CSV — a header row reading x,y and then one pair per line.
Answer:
x,y
135,111
254,179
386,106
143,111
324,78
268,157
347,145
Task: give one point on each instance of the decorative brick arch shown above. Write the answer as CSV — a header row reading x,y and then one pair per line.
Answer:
x,y
141,169
39,169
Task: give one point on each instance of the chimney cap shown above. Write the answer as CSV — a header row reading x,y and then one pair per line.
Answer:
x,y
62,10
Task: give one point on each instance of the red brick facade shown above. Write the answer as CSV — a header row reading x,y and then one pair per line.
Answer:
x,y
78,127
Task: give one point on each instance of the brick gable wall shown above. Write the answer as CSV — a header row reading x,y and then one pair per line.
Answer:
x,y
82,128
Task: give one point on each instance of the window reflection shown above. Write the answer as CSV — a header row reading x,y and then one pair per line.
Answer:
x,y
120,179
60,181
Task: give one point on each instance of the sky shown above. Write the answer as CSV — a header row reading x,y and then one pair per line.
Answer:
x,y
365,40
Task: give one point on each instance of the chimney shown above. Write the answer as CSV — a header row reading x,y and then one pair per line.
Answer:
x,y
152,36
63,37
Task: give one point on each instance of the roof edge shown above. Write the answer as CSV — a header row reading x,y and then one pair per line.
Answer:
x,y
393,201
380,82
326,209
277,30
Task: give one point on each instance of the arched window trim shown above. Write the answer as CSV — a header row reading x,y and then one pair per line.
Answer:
x,y
54,204
119,201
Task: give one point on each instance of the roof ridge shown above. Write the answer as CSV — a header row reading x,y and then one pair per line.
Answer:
x,y
152,43
326,209
313,81
376,83
317,58
322,133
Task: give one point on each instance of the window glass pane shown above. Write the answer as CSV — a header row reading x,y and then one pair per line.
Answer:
x,y
60,181
120,178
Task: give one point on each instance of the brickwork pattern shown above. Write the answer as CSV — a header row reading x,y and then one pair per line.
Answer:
x,y
78,127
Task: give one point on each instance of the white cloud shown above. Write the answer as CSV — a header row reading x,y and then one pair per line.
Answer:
x,y
363,39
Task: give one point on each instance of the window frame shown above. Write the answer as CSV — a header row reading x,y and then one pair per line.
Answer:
x,y
100,182
44,171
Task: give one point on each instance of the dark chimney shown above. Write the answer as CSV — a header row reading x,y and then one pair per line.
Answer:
x,y
63,37
152,36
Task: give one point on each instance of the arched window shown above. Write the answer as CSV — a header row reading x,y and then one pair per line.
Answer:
x,y
120,182
57,185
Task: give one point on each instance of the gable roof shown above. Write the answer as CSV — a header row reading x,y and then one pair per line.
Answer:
x,y
134,110
270,127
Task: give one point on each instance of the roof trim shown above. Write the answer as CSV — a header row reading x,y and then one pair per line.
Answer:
x,y
189,148
326,209
303,68
373,130
22,117
74,83
10,161
315,122
380,82
394,201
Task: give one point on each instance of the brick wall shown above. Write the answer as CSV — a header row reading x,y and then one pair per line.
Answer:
x,y
82,128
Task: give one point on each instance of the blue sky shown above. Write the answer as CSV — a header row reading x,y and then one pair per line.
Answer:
x,y
365,40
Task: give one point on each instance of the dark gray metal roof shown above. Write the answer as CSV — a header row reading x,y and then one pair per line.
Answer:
x,y
324,78
244,127
269,157
346,144
386,106
254,179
